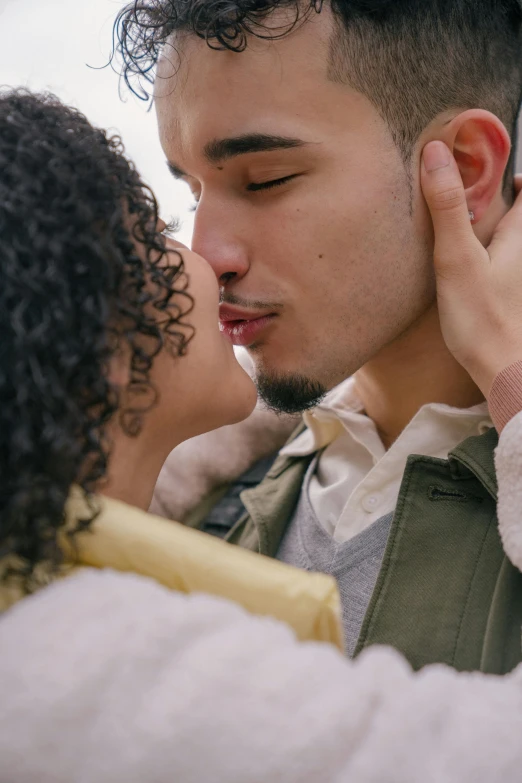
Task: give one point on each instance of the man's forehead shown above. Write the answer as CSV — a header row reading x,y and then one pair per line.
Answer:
x,y
219,94
188,60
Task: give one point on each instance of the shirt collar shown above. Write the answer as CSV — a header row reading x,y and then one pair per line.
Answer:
x,y
342,411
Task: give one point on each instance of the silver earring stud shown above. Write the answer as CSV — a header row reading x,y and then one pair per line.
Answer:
x,y
472,216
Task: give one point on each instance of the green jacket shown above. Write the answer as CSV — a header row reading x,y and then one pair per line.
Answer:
x,y
446,592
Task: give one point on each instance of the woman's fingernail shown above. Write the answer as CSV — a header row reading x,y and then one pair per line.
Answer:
x,y
436,156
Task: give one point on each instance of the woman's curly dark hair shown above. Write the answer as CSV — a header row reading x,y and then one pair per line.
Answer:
x,y
73,290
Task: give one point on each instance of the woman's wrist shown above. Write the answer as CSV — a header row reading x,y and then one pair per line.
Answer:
x,y
505,396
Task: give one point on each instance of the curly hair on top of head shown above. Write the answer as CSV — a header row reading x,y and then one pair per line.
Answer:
x,y
74,288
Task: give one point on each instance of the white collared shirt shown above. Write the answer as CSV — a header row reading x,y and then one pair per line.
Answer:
x,y
357,481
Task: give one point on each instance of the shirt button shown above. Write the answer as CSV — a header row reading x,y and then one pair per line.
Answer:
x,y
370,503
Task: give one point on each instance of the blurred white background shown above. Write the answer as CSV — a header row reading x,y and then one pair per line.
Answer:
x,y
47,44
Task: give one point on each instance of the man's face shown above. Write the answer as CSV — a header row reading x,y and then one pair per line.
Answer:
x,y
305,209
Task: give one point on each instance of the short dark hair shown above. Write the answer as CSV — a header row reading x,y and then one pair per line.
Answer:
x,y
73,290
412,58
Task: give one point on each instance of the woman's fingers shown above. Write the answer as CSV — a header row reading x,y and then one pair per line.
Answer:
x,y
479,290
512,222
506,244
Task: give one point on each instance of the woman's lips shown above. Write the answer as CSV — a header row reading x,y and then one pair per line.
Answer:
x,y
245,331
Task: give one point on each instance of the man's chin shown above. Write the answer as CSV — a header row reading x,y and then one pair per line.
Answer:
x,y
288,392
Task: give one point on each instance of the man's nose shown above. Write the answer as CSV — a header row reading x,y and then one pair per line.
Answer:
x,y
220,245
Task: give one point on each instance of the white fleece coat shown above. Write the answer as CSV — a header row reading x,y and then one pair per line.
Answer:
x,y
110,678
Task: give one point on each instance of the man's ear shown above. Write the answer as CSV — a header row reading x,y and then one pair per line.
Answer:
x,y
481,146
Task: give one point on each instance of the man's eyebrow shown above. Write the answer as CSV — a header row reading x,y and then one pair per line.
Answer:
x,y
219,150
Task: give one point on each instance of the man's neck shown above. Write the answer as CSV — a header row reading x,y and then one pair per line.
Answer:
x,y
413,371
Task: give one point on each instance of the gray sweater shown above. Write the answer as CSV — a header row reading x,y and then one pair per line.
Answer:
x,y
355,564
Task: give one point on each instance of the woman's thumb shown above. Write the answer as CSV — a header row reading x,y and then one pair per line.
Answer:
x,y
444,193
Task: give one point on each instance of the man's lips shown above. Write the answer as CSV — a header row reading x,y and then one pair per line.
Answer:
x,y
242,327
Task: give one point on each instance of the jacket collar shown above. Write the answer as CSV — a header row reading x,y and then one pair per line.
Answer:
x,y
271,503
476,455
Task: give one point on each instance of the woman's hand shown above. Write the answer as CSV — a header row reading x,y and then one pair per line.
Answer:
x,y
479,290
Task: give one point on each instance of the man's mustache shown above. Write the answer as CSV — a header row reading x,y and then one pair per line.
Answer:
x,y
248,304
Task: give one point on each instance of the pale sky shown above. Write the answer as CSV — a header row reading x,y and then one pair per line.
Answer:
x,y
46,45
